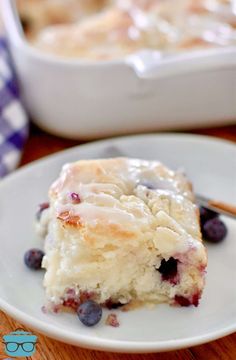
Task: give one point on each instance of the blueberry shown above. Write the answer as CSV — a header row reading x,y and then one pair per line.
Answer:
x,y
33,258
89,313
168,268
75,198
41,208
207,214
214,230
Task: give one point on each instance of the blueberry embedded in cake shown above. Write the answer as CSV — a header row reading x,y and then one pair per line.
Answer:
x,y
123,230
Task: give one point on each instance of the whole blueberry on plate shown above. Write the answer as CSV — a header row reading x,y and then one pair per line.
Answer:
x,y
89,313
214,230
207,214
33,258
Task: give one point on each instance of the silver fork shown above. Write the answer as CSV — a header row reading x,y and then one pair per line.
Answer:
x,y
216,205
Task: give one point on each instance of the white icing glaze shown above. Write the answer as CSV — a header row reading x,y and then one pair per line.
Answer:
x,y
116,192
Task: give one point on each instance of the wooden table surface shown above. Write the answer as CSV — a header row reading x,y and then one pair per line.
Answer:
x,y
41,144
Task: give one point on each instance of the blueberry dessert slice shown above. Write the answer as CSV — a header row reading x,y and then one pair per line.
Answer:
x,y
114,240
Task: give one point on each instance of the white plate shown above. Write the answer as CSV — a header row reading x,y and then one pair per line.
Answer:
x,y
210,164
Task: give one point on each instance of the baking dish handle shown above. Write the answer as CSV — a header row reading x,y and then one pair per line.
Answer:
x,y
152,64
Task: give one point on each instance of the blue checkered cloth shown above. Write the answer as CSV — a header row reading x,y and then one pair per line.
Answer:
x,y
13,118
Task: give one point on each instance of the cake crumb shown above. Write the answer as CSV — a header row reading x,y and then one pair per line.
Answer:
x,y
51,308
112,320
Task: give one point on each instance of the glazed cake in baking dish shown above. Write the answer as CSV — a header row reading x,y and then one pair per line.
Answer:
x,y
113,29
122,230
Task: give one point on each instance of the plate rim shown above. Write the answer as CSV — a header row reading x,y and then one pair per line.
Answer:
x,y
57,154
121,346
112,345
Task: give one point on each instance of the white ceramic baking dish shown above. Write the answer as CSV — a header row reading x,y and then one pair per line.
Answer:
x,y
142,92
